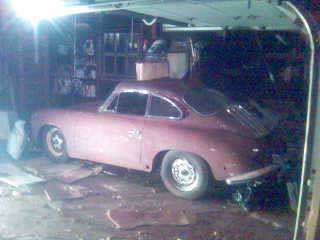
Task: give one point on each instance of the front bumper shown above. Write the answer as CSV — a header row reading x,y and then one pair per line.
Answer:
x,y
253,175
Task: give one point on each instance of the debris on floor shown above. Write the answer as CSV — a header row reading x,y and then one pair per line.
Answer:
x,y
130,219
85,201
69,172
109,173
56,191
5,190
265,220
293,193
79,173
15,176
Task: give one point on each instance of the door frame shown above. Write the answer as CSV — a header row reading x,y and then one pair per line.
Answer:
x,y
307,218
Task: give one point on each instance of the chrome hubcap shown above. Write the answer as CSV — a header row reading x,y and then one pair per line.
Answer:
x,y
57,142
183,172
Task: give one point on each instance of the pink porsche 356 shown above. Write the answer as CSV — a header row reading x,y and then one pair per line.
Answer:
x,y
193,134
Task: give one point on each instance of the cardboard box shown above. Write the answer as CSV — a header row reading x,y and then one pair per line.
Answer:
x,y
152,70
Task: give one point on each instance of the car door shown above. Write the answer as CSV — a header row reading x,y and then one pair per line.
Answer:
x,y
114,135
128,121
163,118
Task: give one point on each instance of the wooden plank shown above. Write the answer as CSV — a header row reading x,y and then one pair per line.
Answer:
x,y
16,177
130,219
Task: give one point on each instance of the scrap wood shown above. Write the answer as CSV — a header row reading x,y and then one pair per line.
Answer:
x,y
42,166
110,187
266,220
130,219
15,176
69,172
80,173
293,192
110,173
58,191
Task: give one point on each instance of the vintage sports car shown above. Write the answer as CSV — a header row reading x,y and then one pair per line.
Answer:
x,y
196,136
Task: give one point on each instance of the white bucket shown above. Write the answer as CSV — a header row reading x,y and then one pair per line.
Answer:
x,y
17,140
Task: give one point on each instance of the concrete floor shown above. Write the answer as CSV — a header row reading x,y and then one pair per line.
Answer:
x,y
27,213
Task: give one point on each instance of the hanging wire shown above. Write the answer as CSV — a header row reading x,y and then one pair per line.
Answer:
x,y
153,21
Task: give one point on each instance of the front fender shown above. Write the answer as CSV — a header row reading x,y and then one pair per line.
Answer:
x,y
57,118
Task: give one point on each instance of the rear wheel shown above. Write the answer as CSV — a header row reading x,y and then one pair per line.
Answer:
x,y
184,174
54,144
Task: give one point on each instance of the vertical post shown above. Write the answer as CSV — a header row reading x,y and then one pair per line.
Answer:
x,y
141,33
307,214
155,31
74,56
6,54
44,56
99,54
20,75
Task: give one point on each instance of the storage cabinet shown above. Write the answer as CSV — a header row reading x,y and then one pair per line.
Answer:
x,y
85,62
95,52
121,51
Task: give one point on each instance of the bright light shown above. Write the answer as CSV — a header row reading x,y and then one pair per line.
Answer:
x,y
37,10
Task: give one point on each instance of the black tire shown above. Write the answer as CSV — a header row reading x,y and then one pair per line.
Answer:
x,y
49,147
185,175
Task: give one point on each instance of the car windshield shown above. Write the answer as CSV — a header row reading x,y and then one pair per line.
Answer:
x,y
206,101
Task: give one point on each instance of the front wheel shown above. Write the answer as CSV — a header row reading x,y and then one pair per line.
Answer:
x,y
184,174
54,144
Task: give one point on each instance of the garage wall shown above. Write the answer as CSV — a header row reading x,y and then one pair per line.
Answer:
x,y
315,9
24,63
33,68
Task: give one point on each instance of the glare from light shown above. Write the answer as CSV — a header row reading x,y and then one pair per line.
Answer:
x,y
37,10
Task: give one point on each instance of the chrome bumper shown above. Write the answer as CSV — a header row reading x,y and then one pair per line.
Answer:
x,y
247,177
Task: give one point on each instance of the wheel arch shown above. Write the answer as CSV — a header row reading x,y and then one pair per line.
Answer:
x,y
157,160
41,131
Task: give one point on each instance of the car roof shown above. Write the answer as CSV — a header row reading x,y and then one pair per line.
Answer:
x,y
167,86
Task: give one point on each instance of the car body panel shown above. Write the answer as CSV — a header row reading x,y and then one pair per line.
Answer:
x,y
229,147
102,142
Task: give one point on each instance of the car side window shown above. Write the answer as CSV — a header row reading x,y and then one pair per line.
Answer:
x,y
133,103
113,105
160,107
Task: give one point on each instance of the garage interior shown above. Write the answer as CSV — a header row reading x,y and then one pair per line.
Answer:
x,y
255,49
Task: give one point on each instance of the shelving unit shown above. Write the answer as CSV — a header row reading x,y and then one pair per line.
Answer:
x,y
85,57
75,68
96,52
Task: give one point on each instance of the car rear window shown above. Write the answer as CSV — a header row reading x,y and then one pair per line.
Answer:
x,y
206,101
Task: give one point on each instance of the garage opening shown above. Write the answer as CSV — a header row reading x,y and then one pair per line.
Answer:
x,y
158,120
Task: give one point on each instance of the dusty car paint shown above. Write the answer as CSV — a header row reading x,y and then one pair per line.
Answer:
x,y
229,147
